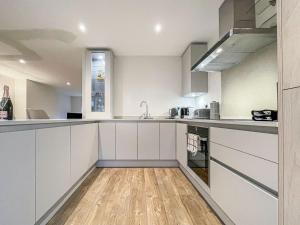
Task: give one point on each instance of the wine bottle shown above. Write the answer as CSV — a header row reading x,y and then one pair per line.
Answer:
x,y
6,106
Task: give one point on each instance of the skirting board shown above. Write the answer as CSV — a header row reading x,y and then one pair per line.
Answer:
x,y
51,212
220,213
137,163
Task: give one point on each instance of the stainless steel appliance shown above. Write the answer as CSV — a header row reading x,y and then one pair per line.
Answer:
x,y
201,113
239,35
214,110
198,151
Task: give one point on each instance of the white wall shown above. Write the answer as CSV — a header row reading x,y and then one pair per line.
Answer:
x,y
250,85
20,99
214,91
76,104
41,96
156,79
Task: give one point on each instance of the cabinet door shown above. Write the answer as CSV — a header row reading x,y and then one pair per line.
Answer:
x,y
107,141
126,141
242,201
52,167
290,16
167,141
148,141
84,149
186,72
17,175
181,146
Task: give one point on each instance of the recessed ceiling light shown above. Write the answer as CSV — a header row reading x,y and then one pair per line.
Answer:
x,y
158,28
219,50
82,27
68,83
22,61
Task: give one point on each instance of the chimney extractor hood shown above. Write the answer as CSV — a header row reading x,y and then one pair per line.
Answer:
x,y
239,37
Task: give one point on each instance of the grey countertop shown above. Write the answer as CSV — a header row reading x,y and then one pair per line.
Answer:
x,y
267,127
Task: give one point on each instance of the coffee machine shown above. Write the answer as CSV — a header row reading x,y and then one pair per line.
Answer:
x,y
184,112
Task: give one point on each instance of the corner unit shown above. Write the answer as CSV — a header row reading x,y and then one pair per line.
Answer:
x,y
97,83
193,83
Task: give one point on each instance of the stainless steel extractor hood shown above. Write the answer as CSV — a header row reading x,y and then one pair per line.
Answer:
x,y
240,37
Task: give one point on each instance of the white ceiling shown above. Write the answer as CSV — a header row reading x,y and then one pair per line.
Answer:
x,y
47,33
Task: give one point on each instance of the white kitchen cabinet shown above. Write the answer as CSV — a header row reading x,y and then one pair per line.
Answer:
x,y
181,144
167,141
126,141
261,170
193,83
84,149
97,84
242,201
107,141
148,141
254,143
17,175
52,167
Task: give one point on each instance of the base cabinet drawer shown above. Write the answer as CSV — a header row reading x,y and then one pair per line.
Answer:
x,y
242,201
261,170
254,143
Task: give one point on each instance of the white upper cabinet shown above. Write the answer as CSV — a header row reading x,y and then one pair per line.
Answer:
x,y
193,83
167,140
52,167
97,84
148,141
17,175
107,141
126,141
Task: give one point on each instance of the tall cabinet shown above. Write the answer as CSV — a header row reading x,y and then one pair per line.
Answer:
x,y
289,105
97,83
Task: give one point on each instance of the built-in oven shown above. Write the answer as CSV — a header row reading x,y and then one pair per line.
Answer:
x,y
198,151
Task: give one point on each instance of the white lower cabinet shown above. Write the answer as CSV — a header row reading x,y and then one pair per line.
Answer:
x,y
17,175
126,141
148,141
107,141
167,141
242,201
181,143
84,149
52,167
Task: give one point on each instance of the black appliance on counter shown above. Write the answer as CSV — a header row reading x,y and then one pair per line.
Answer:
x,y
198,152
74,115
184,112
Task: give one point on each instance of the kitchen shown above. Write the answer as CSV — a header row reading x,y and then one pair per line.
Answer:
x,y
139,104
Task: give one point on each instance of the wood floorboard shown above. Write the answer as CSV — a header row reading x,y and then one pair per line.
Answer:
x,y
136,196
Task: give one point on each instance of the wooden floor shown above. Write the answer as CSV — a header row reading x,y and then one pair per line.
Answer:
x,y
136,196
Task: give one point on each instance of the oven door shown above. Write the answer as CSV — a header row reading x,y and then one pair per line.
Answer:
x,y
198,153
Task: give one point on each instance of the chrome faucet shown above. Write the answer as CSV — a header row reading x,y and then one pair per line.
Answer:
x,y
145,115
